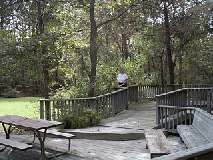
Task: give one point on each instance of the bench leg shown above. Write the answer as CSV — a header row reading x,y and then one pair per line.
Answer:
x,y
42,140
34,137
7,130
9,152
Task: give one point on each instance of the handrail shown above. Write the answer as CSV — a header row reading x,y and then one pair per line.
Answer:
x,y
111,103
182,89
176,107
171,92
168,117
106,105
168,106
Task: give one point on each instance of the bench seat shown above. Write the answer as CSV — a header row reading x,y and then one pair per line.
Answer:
x,y
191,136
58,134
156,142
14,144
200,132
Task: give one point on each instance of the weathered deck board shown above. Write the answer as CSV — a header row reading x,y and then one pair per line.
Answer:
x,y
34,124
191,136
200,132
156,142
58,134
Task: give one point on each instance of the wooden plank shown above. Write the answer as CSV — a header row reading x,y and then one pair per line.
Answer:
x,y
203,122
156,142
34,124
55,133
191,136
203,152
14,144
58,134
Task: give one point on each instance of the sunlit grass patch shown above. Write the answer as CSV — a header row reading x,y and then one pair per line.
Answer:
x,y
24,106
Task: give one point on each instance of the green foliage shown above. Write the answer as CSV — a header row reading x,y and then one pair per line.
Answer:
x,y
79,90
82,119
136,24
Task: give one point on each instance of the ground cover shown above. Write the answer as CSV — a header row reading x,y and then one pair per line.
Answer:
x,y
24,106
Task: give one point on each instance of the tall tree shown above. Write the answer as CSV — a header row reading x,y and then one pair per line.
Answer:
x,y
41,5
168,43
93,48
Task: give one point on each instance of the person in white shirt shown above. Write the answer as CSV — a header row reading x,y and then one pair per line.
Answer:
x,y
122,78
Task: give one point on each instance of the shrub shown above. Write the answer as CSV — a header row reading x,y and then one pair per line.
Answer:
x,y
83,119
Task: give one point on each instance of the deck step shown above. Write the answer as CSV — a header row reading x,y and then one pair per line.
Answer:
x,y
156,142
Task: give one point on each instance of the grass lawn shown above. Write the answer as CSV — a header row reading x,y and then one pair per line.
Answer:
x,y
24,106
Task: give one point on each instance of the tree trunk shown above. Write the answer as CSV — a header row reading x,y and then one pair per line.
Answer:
x,y
125,51
180,81
45,79
45,61
93,49
163,82
168,45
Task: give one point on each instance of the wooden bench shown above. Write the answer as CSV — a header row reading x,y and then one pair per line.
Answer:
x,y
200,132
156,142
57,134
14,144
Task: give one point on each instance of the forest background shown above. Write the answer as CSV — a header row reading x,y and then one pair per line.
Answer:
x,y
65,48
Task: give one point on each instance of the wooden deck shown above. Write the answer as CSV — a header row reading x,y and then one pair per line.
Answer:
x,y
130,122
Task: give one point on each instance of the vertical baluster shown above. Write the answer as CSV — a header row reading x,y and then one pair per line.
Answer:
x,y
181,116
173,119
197,96
190,116
48,110
166,118
169,119
185,117
203,97
42,109
178,111
53,110
192,97
161,116
69,105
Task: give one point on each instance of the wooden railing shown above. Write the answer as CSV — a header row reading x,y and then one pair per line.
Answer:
x,y
187,97
112,103
174,106
140,92
106,105
168,117
133,94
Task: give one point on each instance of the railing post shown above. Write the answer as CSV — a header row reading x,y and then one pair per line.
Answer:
x,y
133,93
48,110
113,103
157,112
209,100
41,109
126,96
92,103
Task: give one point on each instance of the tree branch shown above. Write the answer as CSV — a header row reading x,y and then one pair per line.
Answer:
x,y
118,16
